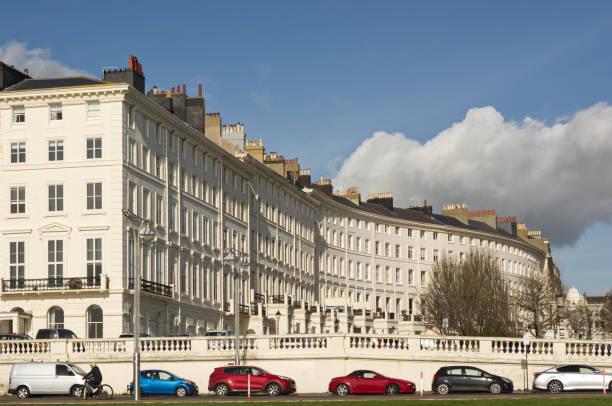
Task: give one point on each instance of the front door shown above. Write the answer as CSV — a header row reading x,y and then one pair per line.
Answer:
x,y
165,383
475,380
456,379
590,378
258,379
64,379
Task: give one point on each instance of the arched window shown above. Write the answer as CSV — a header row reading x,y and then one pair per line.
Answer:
x,y
95,322
17,310
56,317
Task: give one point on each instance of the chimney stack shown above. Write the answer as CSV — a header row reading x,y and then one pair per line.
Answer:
x,y
199,90
26,72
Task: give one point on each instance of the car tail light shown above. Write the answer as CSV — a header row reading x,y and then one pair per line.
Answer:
x,y
535,376
435,377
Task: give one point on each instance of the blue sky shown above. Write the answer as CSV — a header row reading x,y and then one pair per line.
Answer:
x,y
315,79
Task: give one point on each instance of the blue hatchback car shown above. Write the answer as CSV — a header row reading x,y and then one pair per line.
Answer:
x,y
156,381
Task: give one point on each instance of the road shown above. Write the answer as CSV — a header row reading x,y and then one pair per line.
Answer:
x,y
317,397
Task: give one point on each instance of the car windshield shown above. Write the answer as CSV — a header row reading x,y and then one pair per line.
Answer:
x,y
77,369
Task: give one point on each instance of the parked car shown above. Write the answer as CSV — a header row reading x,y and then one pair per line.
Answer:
x,y
14,337
571,377
363,381
228,379
53,333
121,345
42,378
157,381
221,343
469,379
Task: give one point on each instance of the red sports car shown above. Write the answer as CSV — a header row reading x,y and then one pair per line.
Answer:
x,y
362,381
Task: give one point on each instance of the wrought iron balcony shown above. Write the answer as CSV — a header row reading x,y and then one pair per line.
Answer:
x,y
153,287
244,309
51,284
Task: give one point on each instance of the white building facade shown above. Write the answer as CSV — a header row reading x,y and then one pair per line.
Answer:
x,y
75,155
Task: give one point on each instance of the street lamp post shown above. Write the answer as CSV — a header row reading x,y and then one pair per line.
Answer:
x,y
145,231
278,317
239,260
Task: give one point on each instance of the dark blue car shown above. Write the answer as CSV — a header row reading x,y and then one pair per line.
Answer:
x,y
156,381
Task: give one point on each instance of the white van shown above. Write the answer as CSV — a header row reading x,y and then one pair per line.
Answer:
x,y
42,378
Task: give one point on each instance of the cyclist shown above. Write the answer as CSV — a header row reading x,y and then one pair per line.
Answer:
x,y
92,380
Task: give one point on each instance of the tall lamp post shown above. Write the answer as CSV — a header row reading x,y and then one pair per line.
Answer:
x,y
239,260
146,233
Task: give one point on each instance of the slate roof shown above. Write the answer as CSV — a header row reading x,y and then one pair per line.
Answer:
x,y
419,216
33,84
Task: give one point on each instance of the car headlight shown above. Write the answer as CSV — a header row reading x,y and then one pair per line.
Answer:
x,y
284,377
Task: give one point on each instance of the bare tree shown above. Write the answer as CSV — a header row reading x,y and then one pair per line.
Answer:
x,y
471,295
538,303
605,315
582,318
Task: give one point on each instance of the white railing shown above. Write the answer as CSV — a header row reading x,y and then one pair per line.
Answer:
x,y
320,345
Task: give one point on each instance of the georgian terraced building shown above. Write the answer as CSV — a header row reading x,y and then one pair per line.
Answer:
x,y
77,153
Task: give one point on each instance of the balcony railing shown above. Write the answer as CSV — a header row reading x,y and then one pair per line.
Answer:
x,y
51,284
259,298
153,287
244,309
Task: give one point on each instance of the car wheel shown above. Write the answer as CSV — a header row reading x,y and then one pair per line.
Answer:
x,y
23,392
273,389
443,389
555,386
342,389
181,392
76,391
393,389
222,390
495,388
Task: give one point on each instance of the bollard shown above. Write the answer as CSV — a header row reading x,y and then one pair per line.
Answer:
x,y
249,386
421,376
603,373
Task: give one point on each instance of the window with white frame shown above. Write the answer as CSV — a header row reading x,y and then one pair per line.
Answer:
x,y
94,148
56,197
410,277
19,114
435,255
409,252
95,322
378,275
422,235
56,150
55,111
93,109
94,261
16,264
435,236
94,195
18,203
55,262
423,278
397,251
18,152
423,254
159,210
55,317
195,224
388,275
398,276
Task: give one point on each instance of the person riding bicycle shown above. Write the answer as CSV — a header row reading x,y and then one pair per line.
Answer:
x,y
93,379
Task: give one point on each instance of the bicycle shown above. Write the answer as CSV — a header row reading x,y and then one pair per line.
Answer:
x,y
85,391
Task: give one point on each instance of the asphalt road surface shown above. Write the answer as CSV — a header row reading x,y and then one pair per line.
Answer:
x,y
210,397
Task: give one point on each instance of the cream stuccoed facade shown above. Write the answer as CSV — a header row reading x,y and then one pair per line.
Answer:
x,y
78,152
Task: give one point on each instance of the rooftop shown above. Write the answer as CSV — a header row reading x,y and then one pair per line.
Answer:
x,y
33,84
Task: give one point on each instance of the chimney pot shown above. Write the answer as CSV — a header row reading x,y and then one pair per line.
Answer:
x,y
184,89
199,90
26,71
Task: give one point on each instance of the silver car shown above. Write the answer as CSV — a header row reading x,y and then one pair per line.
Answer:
x,y
572,377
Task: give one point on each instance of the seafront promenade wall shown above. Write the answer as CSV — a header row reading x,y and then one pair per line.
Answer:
x,y
312,360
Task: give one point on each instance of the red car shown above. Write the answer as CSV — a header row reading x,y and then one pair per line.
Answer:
x,y
361,381
228,379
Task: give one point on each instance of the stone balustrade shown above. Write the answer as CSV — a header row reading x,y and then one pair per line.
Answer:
x,y
321,354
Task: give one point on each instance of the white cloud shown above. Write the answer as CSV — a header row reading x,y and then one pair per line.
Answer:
x,y
37,60
554,177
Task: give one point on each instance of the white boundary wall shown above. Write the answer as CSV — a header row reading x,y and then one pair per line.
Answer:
x,y
312,360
